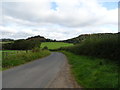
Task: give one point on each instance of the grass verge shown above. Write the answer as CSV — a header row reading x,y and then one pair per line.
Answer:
x,y
21,58
92,72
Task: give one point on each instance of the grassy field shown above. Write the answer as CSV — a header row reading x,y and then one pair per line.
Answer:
x,y
92,72
21,57
55,45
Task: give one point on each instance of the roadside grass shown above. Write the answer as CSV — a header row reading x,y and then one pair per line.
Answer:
x,y
7,53
92,72
23,57
0,60
55,45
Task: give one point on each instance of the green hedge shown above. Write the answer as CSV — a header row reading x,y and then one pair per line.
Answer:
x,y
22,45
103,46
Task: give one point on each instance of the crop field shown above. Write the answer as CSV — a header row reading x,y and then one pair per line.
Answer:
x,y
55,45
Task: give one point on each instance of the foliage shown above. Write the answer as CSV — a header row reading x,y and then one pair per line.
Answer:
x,y
83,37
36,49
45,48
6,40
103,46
89,72
22,45
40,38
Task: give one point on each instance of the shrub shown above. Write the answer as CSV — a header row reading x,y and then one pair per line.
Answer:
x,y
45,48
36,49
103,46
22,45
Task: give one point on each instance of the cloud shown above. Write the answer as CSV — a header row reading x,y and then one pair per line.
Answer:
x,y
75,13
60,20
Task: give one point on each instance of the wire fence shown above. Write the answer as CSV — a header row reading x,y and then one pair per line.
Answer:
x,y
6,54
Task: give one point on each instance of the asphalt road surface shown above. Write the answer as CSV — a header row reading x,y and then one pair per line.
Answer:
x,y
36,74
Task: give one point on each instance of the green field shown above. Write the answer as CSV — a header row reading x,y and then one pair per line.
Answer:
x,y
92,72
55,45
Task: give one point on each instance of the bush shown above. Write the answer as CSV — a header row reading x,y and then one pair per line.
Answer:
x,y
45,48
103,46
22,45
36,49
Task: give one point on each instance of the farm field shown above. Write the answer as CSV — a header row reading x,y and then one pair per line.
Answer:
x,y
55,45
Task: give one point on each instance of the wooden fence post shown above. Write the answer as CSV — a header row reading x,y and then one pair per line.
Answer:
x,y
6,54
2,55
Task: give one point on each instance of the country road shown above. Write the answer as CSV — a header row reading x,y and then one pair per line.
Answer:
x,y
40,73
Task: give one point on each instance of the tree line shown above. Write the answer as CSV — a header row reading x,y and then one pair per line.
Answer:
x,y
21,45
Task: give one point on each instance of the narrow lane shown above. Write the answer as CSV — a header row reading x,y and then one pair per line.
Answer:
x,y
36,74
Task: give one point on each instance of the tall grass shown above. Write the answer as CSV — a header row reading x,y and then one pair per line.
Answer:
x,y
23,57
92,72
0,60
103,46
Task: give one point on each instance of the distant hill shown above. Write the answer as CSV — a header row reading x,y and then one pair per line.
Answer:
x,y
6,40
75,40
40,38
82,37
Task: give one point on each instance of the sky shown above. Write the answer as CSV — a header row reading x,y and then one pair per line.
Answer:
x,y
57,19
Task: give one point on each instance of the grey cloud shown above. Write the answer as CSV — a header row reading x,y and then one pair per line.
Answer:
x,y
17,35
59,24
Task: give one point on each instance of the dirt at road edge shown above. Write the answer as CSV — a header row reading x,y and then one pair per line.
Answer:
x,y
64,79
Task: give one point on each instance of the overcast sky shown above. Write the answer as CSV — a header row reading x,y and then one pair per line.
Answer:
x,y
58,19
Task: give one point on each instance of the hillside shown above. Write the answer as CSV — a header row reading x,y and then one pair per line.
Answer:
x,y
82,37
40,38
6,40
74,40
